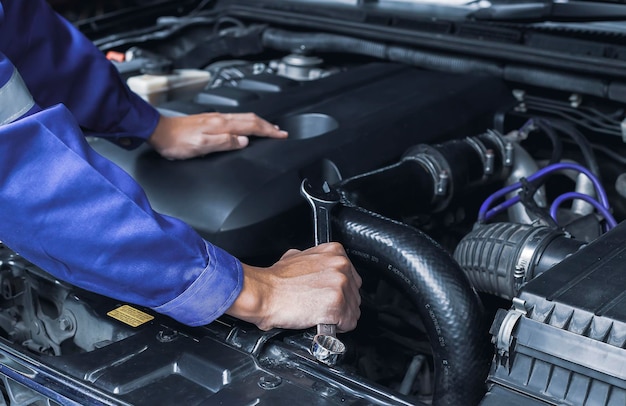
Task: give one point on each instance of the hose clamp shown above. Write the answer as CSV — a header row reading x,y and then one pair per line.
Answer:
x,y
498,139
482,151
504,339
437,166
487,155
525,264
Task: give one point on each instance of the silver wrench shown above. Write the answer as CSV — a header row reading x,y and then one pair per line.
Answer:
x,y
326,347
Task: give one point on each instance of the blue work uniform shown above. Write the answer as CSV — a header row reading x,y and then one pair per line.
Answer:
x,y
69,210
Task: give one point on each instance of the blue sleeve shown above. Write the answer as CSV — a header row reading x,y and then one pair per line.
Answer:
x,y
86,221
60,65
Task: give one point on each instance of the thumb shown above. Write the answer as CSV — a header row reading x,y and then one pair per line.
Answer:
x,y
290,253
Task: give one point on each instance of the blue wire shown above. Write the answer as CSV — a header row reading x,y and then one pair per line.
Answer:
x,y
502,206
485,214
610,220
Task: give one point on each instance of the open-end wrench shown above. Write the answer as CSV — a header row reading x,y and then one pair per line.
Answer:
x,y
326,347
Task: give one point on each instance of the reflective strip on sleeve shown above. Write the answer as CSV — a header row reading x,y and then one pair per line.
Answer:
x,y
15,99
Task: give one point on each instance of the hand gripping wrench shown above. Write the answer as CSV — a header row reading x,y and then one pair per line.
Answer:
x,y
326,347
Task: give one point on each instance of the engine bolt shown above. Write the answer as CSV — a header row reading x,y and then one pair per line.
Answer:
x,y
65,324
167,335
509,154
270,382
442,184
490,159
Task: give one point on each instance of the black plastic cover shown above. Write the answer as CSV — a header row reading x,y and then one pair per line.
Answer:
x,y
568,347
248,201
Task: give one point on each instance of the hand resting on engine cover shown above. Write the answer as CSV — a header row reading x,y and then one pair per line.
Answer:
x,y
199,134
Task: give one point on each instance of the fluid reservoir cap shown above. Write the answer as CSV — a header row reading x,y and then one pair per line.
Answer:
x,y
302,60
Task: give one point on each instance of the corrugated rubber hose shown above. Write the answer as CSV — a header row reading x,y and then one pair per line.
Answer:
x,y
436,285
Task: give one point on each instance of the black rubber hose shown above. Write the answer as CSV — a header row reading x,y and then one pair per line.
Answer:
x,y
557,145
555,80
411,185
447,63
321,42
450,309
581,141
396,191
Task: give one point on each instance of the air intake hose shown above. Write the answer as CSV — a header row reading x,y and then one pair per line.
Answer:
x,y
499,258
436,285
429,177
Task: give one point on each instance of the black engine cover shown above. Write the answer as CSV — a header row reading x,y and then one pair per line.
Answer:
x,y
248,201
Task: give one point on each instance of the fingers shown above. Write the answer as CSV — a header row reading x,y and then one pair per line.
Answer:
x,y
226,132
338,250
302,289
251,124
220,142
343,309
200,134
351,313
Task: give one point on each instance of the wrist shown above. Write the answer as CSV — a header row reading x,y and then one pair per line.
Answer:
x,y
157,133
249,304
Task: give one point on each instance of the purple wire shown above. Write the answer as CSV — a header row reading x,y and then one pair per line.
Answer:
x,y
610,220
502,206
484,213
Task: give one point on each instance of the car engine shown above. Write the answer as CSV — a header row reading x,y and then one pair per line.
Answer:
x,y
480,198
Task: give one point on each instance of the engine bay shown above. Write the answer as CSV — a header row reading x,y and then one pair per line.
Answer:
x,y
481,211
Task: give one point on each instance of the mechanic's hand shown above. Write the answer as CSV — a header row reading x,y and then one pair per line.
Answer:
x,y
302,289
199,134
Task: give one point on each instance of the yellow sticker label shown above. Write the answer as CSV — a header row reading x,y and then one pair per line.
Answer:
x,y
129,315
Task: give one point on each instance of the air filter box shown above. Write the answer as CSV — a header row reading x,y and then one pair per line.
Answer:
x,y
563,341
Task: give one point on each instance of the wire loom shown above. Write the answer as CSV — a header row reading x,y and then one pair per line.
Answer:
x,y
602,206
